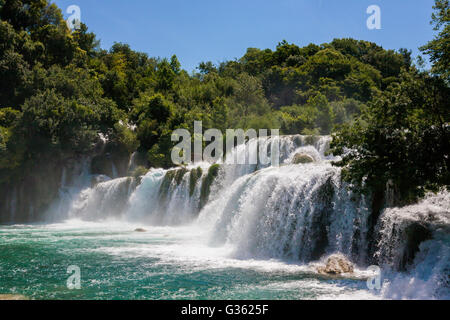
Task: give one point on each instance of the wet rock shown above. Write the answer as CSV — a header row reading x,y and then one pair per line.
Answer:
x,y
335,265
207,182
140,230
311,140
113,161
298,140
301,158
416,233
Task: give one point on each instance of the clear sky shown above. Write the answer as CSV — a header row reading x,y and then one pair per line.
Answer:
x,y
213,30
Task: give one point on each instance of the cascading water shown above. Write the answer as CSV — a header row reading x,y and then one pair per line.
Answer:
x,y
416,239
298,212
295,212
74,179
105,200
91,197
166,197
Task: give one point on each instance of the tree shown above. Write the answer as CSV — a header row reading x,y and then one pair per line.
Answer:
x,y
439,48
402,137
86,40
325,116
165,76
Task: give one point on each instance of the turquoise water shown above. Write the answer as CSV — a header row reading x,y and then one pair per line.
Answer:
x,y
163,263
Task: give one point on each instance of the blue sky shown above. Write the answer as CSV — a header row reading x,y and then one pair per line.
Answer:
x,y
212,30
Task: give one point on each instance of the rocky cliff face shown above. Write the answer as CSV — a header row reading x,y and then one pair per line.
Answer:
x,y
29,196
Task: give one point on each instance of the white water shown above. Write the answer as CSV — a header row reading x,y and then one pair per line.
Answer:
x,y
429,274
295,212
105,200
292,213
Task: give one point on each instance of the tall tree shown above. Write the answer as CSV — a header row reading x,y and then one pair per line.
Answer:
x,y
439,47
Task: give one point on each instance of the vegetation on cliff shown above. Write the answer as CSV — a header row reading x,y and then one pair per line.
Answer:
x,y
61,94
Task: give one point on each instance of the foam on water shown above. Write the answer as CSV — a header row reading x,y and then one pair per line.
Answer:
x,y
165,252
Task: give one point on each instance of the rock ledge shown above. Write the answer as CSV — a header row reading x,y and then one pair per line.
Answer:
x,y
336,264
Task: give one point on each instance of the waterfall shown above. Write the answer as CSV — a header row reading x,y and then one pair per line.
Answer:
x,y
416,239
299,211
75,177
132,163
296,212
87,196
105,200
168,197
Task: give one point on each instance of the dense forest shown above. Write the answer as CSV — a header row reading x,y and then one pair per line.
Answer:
x,y
61,94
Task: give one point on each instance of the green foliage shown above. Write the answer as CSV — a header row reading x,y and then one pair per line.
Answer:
x,y
195,175
126,137
208,180
8,117
4,139
166,74
301,158
154,107
402,137
50,121
159,156
171,177
439,48
165,184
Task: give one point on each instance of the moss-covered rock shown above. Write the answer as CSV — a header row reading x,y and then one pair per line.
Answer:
x,y
172,176
301,158
165,184
206,184
298,140
179,174
311,140
415,234
325,192
139,172
194,176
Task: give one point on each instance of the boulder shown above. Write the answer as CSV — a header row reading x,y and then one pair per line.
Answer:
x,y
336,264
140,230
301,158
